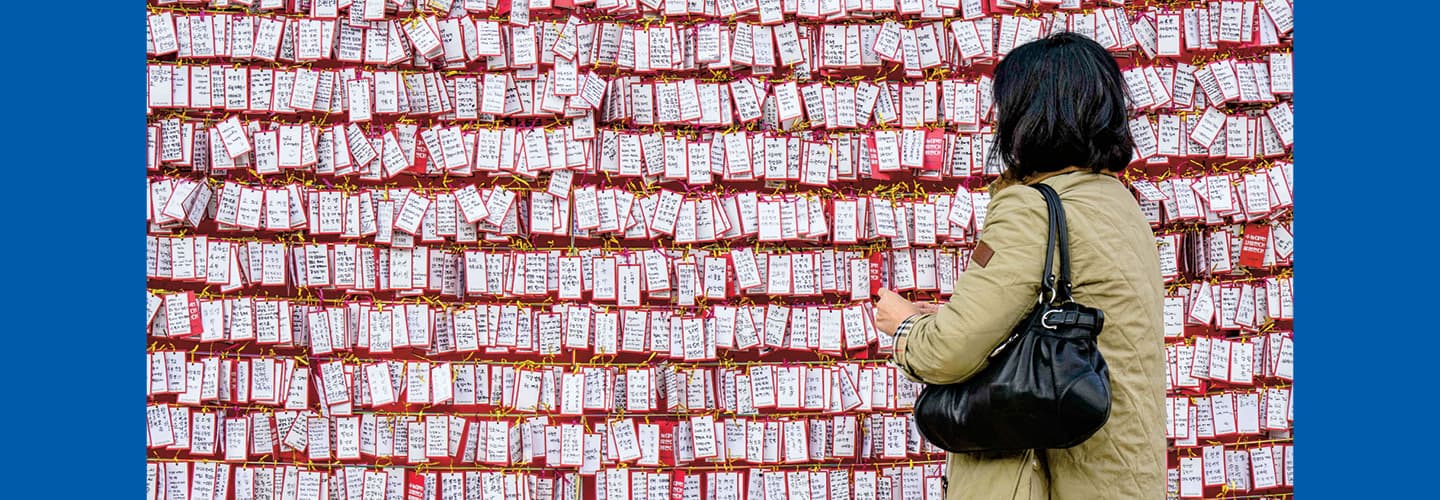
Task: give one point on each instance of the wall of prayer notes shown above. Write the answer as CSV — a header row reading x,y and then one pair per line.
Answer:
x,y
623,249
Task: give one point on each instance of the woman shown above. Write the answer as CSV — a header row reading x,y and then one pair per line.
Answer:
x,y
1062,116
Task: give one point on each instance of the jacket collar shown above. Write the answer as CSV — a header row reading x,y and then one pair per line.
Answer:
x,y
1037,178
1006,181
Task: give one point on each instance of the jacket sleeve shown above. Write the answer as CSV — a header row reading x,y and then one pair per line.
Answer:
x,y
953,344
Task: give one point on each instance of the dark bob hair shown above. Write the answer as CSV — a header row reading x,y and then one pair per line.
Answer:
x,y
1060,101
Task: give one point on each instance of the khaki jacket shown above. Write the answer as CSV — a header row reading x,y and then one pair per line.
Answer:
x,y
1116,269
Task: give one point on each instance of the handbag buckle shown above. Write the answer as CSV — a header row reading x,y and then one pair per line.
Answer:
x,y
1045,319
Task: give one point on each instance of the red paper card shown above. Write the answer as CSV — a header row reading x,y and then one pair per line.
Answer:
x,y
1252,245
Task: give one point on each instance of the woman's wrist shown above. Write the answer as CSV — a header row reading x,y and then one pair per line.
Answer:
x,y
897,356
906,324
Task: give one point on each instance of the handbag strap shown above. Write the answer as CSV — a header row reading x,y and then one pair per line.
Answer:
x,y
1059,236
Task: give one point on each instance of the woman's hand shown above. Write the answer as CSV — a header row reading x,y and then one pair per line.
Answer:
x,y
891,309
928,307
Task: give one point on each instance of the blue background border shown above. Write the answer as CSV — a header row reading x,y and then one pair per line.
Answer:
x,y
1366,125
1367,122
73,334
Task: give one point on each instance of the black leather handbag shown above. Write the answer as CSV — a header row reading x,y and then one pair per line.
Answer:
x,y
1045,386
